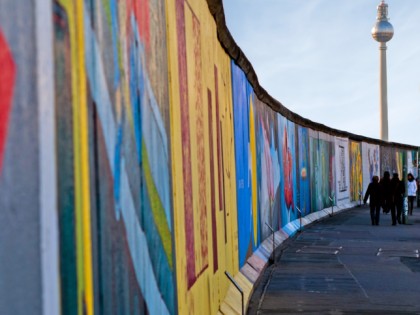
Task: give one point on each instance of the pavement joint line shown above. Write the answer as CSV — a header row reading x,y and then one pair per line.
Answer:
x,y
355,279
264,291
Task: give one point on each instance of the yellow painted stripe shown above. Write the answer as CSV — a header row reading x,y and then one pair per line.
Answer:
x,y
157,209
69,7
84,162
253,168
81,157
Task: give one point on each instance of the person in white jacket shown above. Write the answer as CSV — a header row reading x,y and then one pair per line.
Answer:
x,y
411,192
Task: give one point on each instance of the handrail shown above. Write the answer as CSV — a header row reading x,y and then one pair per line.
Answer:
x,y
332,206
272,231
239,289
300,219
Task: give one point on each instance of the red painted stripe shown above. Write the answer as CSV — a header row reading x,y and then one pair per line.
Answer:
x,y
7,82
212,188
201,154
219,143
186,143
141,11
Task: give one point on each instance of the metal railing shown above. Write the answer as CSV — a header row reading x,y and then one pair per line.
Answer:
x,y
360,198
272,231
239,289
300,219
332,206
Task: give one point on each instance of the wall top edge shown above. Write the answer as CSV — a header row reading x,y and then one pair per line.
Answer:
x,y
235,52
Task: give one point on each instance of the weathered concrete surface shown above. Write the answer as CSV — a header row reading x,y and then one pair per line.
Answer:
x,y
343,265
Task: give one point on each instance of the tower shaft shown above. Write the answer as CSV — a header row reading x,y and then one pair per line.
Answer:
x,y
383,105
382,32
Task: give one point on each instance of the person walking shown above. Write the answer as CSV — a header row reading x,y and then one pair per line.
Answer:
x,y
411,192
373,192
386,195
398,191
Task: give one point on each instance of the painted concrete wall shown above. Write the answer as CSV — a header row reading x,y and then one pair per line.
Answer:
x,y
139,161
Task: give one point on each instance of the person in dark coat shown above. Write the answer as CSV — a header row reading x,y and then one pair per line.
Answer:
x,y
385,184
373,192
398,191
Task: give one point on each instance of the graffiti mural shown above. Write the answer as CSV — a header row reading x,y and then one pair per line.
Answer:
x,y
7,81
149,161
203,157
386,159
356,174
287,169
245,169
412,163
303,181
342,170
267,168
400,163
370,163
321,148
123,113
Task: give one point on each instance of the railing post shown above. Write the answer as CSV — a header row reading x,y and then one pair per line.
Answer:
x,y
360,198
300,219
272,231
239,289
332,206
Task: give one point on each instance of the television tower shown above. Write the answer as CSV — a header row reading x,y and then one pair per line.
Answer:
x,y
382,32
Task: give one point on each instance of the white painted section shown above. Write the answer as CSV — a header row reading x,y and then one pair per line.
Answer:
x,y
370,163
47,158
139,250
342,171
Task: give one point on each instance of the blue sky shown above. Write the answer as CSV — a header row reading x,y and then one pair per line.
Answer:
x,y
318,58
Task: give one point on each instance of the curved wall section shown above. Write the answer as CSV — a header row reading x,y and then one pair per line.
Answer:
x,y
141,161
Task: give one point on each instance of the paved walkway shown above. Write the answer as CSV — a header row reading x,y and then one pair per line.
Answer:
x,y
344,265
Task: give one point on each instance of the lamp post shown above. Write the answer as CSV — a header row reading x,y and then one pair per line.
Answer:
x,y
382,32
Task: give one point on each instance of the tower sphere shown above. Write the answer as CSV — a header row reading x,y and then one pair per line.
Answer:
x,y
382,31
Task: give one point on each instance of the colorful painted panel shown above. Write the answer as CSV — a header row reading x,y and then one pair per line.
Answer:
x,y
121,155
371,163
321,147
268,169
342,170
245,160
202,155
400,163
197,141
148,164
303,182
356,173
287,170
7,82
412,163
386,159
20,148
